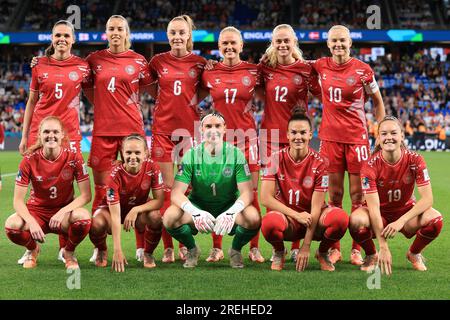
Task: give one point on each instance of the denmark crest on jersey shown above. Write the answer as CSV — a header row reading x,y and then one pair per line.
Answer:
x,y
307,182
66,174
129,69
350,80
297,80
73,76
227,172
145,184
246,81
192,73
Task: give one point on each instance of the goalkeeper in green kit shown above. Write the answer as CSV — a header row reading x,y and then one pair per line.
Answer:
x,y
221,195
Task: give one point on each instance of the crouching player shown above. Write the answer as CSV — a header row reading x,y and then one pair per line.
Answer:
x,y
51,207
388,180
221,195
127,203
293,187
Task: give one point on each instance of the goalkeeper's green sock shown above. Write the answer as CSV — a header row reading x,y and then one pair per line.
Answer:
x,y
242,237
184,235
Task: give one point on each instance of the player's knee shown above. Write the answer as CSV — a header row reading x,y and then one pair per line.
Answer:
x,y
433,227
358,220
272,222
98,225
338,219
14,222
169,219
154,219
80,214
336,195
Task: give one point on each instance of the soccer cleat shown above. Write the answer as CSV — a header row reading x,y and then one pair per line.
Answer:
x,y
334,255
273,253
235,259
140,254
101,259
24,257
356,258
215,255
294,254
31,258
182,253
61,255
417,260
324,260
168,256
149,261
192,256
255,255
71,262
370,263
279,258
94,255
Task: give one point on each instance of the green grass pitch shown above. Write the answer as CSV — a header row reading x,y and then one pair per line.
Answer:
x,y
219,281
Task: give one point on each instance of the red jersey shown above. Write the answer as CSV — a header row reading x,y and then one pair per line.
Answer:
x,y
297,181
232,90
344,89
394,182
176,102
132,190
59,84
286,86
116,80
51,180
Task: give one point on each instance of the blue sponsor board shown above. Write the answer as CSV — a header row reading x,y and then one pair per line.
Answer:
x,y
392,35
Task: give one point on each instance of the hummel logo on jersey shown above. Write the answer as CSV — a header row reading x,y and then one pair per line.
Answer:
x,y
45,75
39,178
165,71
217,81
324,76
99,68
281,177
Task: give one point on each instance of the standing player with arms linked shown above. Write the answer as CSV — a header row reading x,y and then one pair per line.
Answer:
x,y
388,181
286,80
127,203
178,73
220,198
50,169
346,83
55,89
293,186
231,84
119,75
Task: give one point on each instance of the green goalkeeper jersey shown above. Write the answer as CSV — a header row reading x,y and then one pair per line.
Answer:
x,y
213,179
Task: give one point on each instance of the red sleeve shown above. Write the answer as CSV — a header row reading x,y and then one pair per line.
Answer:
x,y
2,133
23,177
204,80
157,181
145,77
368,179
89,80
34,84
321,178
152,69
81,170
313,83
87,77
368,80
112,189
422,176
260,67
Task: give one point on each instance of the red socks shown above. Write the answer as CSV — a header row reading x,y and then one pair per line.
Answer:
x,y
140,238
254,243
99,241
363,237
426,234
100,193
77,232
336,223
272,227
22,238
217,241
152,237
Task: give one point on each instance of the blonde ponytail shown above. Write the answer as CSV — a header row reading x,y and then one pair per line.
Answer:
x,y
191,27
127,28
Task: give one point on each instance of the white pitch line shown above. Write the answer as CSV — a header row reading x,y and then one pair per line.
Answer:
x,y
9,174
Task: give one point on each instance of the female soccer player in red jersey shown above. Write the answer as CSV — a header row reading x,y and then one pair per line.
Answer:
x,y
178,73
55,88
231,84
293,186
119,76
346,84
51,207
388,181
127,203
286,80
